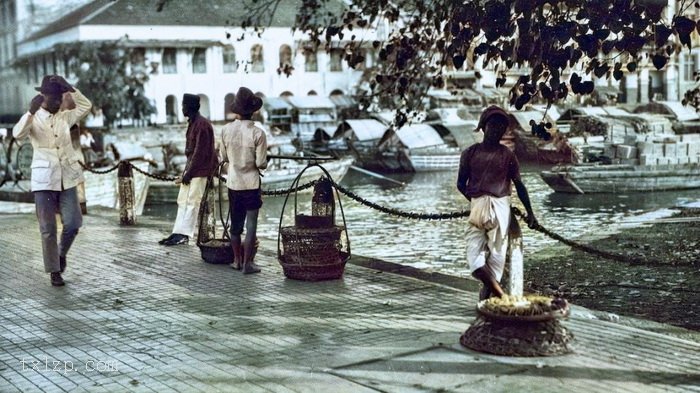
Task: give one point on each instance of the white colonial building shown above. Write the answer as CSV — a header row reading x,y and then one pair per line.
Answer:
x,y
196,47
188,47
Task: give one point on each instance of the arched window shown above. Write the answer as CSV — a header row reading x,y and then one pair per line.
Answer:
x,y
169,61
285,56
256,58
286,94
337,92
310,60
171,109
204,105
312,93
336,60
229,57
199,61
228,105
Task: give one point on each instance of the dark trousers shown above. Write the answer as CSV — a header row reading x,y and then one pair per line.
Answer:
x,y
48,204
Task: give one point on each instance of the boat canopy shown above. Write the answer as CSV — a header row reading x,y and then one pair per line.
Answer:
x,y
522,118
416,136
343,101
311,102
600,111
276,103
449,115
673,109
324,132
462,133
363,129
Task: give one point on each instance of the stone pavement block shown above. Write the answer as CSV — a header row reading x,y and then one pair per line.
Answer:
x,y
173,323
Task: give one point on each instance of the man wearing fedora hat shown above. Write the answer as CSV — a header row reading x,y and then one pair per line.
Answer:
x,y
486,172
201,163
56,169
245,149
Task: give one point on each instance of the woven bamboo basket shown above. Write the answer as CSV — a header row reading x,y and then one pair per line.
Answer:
x,y
313,249
313,254
215,250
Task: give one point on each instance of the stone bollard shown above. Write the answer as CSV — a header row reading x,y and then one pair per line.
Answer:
x,y
513,275
127,215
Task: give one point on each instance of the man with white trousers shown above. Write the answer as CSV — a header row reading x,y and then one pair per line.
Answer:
x,y
486,172
201,163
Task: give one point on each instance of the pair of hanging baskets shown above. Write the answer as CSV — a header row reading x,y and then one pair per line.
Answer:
x,y
314,248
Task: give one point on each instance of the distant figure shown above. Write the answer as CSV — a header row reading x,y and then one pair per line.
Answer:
x,y
88,147
486,171
55,170
201,163
245,149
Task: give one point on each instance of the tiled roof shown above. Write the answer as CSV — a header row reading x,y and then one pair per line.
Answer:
x,y
176,13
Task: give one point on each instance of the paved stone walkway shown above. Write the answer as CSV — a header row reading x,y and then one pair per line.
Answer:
x,y
136,316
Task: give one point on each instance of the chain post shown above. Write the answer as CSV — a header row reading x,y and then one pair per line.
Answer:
x,y
125,176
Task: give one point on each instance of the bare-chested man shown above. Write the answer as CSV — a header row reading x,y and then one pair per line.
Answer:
x,y
486,171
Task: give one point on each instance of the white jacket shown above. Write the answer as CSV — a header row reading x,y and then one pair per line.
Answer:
x,y
55,164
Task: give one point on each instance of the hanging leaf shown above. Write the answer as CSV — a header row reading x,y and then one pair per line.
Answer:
x,y
522,100
458,61
601,70
632,66
659,61
617,74
501,81
587,87
662,32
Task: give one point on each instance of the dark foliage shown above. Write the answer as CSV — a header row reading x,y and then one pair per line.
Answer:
x,y
544,38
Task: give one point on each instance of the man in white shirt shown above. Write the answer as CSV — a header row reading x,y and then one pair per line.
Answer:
x,y
56,170
245,150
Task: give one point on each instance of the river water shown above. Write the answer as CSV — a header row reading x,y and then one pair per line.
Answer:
x,y
439,245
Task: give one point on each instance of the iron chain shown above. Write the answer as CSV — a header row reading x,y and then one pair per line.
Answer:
x,y
412,215
399,213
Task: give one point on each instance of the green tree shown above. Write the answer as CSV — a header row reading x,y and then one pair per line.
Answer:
x,y
112,75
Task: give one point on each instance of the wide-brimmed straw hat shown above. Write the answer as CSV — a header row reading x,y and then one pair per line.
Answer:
x,y
490,112
51,85
245,102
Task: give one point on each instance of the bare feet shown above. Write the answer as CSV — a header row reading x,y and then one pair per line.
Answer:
x,y
250,268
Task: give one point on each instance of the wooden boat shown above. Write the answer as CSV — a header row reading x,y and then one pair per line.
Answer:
x,y
658,162
456,136
279,176
584,179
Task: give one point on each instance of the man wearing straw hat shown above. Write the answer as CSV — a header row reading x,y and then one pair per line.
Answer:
x,y
486,171
201,163
245,149
56,170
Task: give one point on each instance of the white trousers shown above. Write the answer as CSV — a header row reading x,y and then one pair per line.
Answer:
x,y
188,200
487,234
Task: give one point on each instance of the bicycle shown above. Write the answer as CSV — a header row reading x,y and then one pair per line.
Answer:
x,y
16,162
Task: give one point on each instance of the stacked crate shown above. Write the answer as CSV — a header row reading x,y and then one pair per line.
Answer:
x,y
669,150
